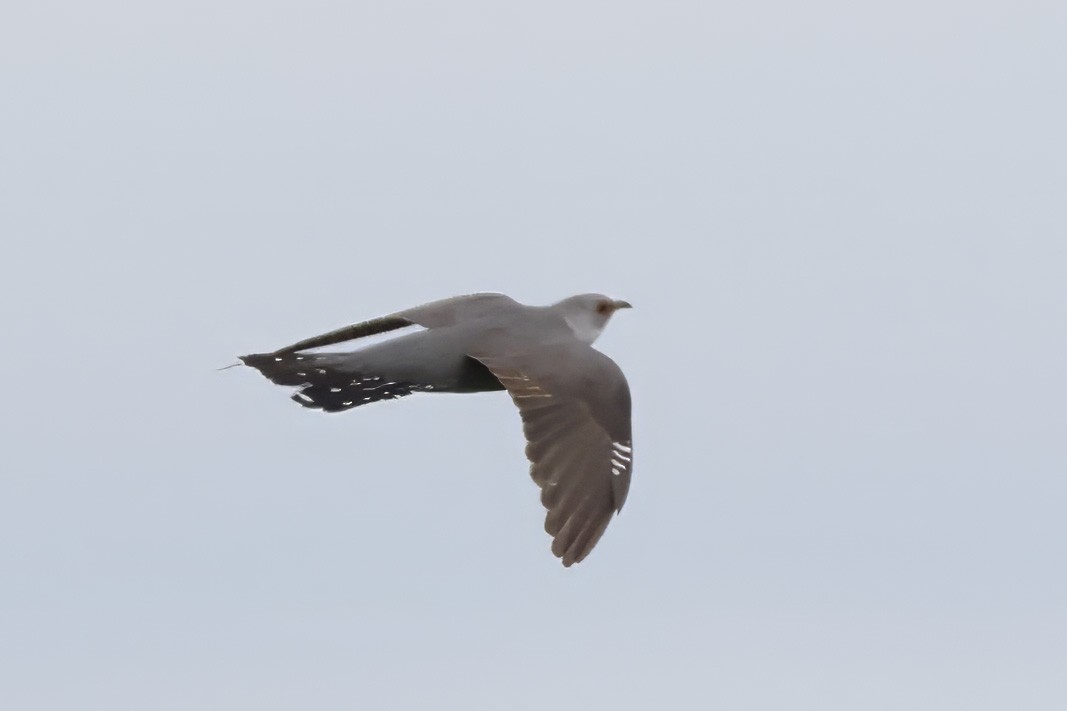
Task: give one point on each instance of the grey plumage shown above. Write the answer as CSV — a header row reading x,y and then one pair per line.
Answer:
x,y
574,401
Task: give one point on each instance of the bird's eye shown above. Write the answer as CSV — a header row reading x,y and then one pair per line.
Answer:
x,y
603,307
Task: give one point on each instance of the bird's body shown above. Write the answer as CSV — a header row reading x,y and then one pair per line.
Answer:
x,y
574,401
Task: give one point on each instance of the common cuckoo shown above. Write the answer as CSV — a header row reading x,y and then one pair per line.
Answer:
x,y
574,401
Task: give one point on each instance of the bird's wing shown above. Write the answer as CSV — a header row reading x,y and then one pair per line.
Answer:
x,y
449,312
575,407
436,314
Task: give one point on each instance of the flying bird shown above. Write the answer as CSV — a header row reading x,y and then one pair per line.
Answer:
x,y
574,401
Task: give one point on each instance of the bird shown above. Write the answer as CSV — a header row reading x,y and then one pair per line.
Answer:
x,y
573,400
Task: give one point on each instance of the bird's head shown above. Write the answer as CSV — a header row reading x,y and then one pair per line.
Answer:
x,y
588,314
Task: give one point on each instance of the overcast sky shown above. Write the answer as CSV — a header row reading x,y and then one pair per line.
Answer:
x,y
843,227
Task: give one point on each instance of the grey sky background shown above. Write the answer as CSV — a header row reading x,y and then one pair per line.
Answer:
x,y
843,229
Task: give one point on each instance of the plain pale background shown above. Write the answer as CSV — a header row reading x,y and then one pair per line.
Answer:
x,y
843,228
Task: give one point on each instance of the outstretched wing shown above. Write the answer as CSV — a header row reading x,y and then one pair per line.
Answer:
x,y
436,314
575,407
449,312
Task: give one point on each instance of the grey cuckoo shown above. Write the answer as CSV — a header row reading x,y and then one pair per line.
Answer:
x,y
573,400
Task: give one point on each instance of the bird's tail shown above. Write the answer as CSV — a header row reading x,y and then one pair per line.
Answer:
x,y
328,381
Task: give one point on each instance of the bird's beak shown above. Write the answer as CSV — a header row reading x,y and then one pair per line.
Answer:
x,y
619,304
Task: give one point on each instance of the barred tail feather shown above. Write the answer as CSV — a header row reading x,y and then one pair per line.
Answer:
x,y
328,381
